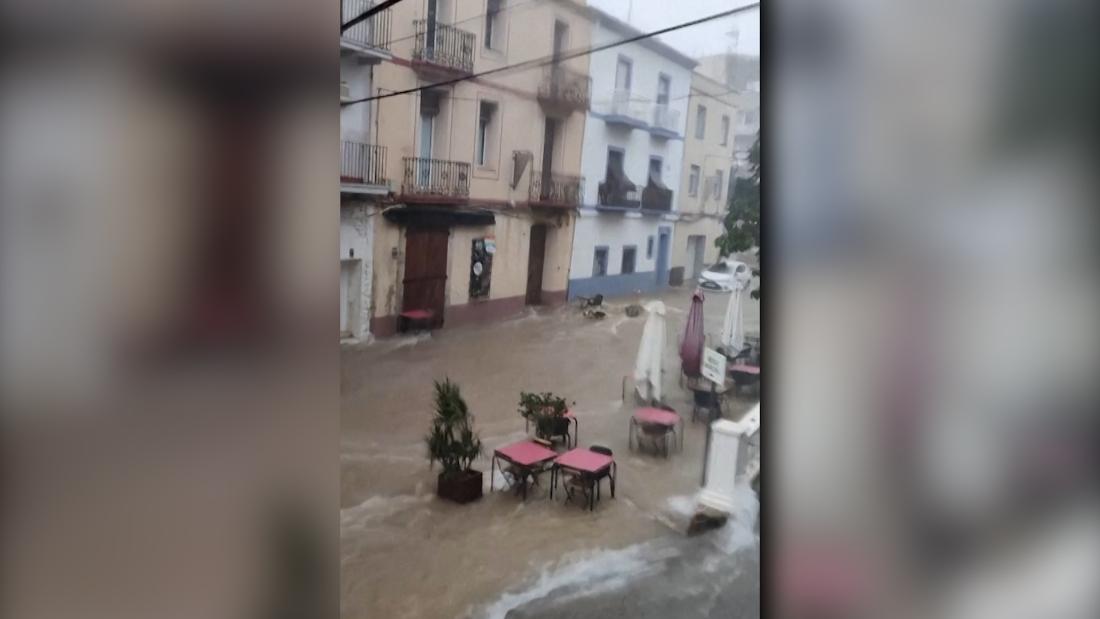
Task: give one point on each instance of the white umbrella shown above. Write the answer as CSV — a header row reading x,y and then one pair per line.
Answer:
x,y
733,327
649,365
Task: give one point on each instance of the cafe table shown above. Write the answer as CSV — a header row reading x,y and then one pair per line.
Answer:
x,y
583,461
527,456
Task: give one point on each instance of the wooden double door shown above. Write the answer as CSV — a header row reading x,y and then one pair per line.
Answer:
x,y
425,281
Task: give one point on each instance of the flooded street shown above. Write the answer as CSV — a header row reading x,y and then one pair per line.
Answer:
x,y
407,554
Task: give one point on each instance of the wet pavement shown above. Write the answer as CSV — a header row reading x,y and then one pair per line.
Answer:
x,y
406,554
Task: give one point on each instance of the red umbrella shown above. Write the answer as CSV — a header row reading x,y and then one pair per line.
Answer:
x,y
691,348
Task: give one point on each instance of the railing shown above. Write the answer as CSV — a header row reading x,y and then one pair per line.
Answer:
x,y
373,31
666,118
436,177
566,87
444,45
656,198
560,189
362,163
612,193
623,104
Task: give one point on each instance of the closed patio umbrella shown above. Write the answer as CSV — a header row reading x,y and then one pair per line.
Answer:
x,y
691,348
649,364
733,327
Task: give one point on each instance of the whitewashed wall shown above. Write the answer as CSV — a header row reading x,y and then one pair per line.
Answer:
x,y
638,144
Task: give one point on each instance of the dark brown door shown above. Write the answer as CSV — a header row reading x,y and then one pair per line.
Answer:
x,y
534,264
425,271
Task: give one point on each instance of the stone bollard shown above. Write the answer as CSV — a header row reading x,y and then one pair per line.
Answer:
x,y
723,463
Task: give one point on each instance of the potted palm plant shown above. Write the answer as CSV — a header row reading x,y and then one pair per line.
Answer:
x,y
453,443
547,412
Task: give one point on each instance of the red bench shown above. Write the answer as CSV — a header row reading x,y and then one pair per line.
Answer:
x,y
415,317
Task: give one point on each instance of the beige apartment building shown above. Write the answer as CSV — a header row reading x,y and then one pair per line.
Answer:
x,y
709,164
485,172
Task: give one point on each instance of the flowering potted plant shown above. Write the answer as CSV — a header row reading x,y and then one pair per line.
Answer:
x,y
547,412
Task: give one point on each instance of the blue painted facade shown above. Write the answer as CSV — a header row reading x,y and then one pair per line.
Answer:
x,y
613,285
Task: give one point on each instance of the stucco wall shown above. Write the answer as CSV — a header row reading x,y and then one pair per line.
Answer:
x,y
703,213
638,144
356,246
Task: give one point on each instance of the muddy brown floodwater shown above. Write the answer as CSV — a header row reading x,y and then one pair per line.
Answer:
x,y
407,554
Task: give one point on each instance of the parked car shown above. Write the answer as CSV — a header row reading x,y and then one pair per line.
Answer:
x,y
720,275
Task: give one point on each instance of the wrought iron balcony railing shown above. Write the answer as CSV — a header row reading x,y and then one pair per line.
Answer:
x,y
556,189
362,163
617,193
373,31
436,177
666,119
444,45
565,88
655,198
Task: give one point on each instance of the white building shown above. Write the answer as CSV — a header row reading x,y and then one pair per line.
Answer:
x,y
632,161
363,179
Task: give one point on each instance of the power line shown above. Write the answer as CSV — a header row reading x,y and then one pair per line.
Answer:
x,y
537,62
378,8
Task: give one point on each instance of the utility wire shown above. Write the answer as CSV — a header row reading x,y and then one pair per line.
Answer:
x,y
378,8
537,62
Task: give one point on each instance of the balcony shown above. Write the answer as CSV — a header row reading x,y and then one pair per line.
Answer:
x,y
442,49
435,180
656,198
362,168
666,122
618,192
560,190
563,90
625,111
370,38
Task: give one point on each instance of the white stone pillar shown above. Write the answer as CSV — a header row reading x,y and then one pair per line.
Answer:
x,y
726,438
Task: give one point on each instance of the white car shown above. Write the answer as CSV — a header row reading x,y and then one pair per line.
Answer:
x,y
720,275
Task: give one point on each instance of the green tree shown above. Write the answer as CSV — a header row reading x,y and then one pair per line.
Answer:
x,y
742,220
743,215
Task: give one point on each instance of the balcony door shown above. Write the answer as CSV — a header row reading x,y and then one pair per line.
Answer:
x,y
429,109
550,134
561,38
438,13
623,74
663,86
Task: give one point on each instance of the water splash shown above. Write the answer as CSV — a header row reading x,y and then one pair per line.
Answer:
x,y
594,572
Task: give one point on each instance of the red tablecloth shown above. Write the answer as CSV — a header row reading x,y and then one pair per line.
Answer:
x,y
744,369
582,459
656,416
526,453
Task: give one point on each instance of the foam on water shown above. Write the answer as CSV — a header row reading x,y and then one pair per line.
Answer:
x,y
739,532
379,507
594,572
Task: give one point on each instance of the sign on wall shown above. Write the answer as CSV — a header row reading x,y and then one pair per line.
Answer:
x,y
714,366
481,267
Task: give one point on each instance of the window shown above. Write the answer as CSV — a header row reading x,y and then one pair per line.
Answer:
x,y
493,31
718,185
693,181
623,72
599,264
725,129
700,122
629,252
614,164
655,170
663,88
649,247
486,128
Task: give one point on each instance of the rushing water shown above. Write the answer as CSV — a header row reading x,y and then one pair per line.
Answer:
x,y
406,554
